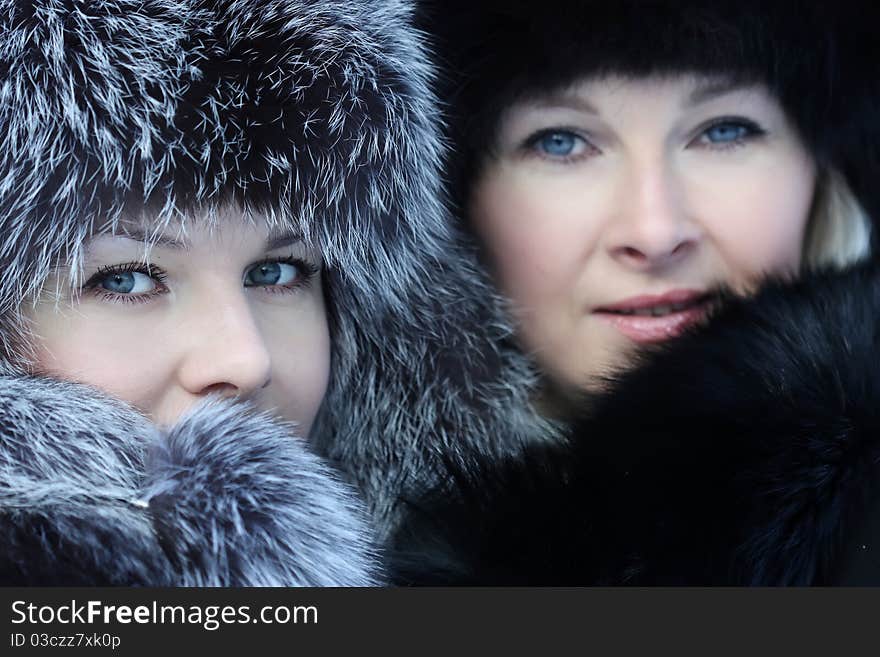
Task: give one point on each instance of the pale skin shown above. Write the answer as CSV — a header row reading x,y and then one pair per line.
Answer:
x,y
620,187
233,311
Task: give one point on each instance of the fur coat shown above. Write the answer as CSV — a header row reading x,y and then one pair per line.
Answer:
x,y
745,453
316,116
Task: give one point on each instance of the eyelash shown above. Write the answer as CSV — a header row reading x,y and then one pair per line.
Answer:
x,y
752,131
93,285
306,270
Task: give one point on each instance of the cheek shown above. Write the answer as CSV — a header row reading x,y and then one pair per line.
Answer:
x,y
299,345
99,349
537,233
757,221
541,230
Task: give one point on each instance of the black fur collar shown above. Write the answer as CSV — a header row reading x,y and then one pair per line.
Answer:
x,y
746,453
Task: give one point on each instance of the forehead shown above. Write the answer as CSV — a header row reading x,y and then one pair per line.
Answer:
x,y
208,226
687,88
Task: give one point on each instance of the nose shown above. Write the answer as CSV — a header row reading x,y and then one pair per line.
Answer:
x,y
225,351
653,228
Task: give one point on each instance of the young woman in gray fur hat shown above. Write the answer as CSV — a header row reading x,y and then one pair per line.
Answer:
x,y
221,234
634,170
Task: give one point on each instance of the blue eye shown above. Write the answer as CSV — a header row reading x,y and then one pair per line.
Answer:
x,y
726,132
266,274
128,282
557,144
729,133
560,144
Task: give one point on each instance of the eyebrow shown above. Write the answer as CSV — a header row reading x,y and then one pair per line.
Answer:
x,y
561,100
711,88
282,239
138,235
705,90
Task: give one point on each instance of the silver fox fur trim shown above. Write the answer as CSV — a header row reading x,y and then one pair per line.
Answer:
x,y
293,524
91,493
312,115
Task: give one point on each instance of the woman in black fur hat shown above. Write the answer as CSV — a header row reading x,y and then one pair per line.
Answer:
x,y
229,199
632,169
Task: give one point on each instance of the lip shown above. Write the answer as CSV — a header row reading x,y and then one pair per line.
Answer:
x,y
647,329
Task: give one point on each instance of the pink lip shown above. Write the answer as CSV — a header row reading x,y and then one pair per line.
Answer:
x,y
647,300
643,329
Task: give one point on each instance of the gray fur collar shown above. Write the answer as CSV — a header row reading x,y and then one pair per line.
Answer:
x,y
93,494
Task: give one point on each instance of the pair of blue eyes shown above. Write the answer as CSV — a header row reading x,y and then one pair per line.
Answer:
x,y
134,282
563,143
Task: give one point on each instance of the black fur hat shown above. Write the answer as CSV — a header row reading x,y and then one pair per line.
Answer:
x,y
818,58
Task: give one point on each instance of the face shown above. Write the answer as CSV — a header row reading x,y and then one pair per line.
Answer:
x,y
610,210
233,310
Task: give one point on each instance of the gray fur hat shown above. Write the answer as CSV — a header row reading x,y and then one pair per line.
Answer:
x,y
314,115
